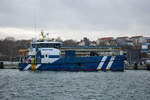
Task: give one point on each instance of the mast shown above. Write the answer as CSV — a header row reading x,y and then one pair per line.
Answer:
x,y
42,34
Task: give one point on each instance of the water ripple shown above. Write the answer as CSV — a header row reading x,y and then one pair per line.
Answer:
x,y
51,85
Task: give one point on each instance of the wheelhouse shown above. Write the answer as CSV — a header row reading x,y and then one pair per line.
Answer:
x,y
46,45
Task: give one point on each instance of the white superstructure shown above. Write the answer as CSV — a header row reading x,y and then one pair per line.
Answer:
x,y
44,52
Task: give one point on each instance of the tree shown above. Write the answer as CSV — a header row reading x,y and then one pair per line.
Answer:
x,y
70,42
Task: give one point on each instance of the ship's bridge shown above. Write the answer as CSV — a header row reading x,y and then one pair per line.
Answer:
x,y
45,52
46,45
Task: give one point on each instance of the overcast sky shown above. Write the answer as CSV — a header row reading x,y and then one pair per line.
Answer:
x,y
74,19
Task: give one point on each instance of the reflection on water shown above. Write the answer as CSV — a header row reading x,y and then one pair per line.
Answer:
x,y
51,85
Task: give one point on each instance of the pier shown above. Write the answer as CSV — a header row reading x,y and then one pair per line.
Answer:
x,y
8,65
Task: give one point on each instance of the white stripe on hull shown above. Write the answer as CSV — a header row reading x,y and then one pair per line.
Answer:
x,y
27,67
110,63
102,62
38,66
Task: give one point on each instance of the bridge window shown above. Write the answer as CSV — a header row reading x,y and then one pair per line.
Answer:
x,y
47,45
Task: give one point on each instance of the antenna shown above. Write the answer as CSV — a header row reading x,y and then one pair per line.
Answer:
x,y
43,36
47,35
35,26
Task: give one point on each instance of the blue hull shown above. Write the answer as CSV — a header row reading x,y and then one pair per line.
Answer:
x,y
115,63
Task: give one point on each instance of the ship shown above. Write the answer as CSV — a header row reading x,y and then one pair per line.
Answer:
x,y
45,55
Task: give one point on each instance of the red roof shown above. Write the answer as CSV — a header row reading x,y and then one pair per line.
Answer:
x,y
136,37
124,37
107,38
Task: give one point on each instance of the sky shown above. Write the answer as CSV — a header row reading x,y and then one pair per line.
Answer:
x,y
74,19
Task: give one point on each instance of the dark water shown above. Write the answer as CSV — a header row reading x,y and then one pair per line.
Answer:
x,y
50,85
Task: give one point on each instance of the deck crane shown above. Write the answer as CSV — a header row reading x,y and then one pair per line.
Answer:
x,y
43,37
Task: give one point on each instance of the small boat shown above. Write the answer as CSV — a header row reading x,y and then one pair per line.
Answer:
x,y
46,55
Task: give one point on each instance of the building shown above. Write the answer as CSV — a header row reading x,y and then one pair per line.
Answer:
x,y
104,41
92,43
124,41
138,40
84,42
81,43
147,40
